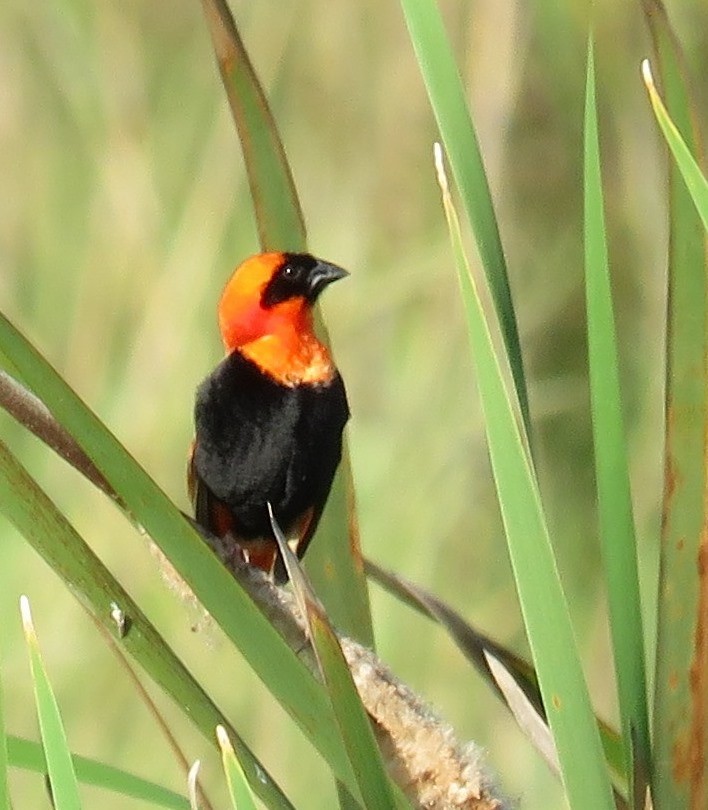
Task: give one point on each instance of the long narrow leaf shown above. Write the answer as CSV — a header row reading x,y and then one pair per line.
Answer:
x,y
696,183
447,98
354,725
65,788
525,713
679,772
34,515
616,518
30,756
278,214
334,560
239,790
352,719
543,604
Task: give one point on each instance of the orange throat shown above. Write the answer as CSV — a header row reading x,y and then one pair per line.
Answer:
x,y
279,339
291,358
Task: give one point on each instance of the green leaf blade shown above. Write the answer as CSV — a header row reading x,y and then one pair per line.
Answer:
x,y
334,560
65,788
239,790
615,512
693,177
351,716
543,604
279,218
447,98
30,756
680,772
352,719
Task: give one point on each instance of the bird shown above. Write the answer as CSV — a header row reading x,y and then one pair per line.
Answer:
x,y
269,418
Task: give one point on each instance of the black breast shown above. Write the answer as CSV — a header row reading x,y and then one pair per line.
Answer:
x,y
259,441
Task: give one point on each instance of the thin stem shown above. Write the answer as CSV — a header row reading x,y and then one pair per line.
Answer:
x,y
33,414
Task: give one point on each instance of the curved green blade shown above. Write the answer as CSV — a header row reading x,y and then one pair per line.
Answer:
x,y
335,563
543,602
617,533
278,214
30,756
239,790
65,788
680,771
352,718
447,98
693,177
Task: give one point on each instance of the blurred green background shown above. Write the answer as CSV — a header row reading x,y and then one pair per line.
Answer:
x,y
123,209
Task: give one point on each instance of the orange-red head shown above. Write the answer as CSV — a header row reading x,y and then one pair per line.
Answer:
x,y
266,311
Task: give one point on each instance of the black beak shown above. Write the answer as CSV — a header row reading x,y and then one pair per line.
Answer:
x,y
320,276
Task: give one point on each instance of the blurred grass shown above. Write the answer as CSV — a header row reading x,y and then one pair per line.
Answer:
x,y
124,207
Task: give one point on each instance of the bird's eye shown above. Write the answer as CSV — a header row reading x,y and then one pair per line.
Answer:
x,y
287,270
